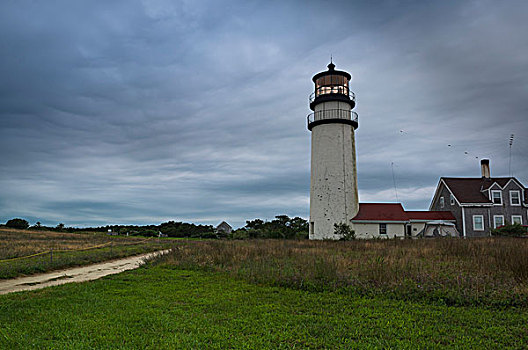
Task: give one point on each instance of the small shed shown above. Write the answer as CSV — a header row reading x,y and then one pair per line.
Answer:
x,y
224,227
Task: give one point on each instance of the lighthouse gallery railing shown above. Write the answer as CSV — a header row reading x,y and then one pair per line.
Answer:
x,y
333,114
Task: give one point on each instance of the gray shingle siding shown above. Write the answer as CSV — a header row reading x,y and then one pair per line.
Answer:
x,y
487,210
454,209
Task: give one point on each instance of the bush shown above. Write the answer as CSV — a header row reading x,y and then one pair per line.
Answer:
x,y
239,234
511,230
344,231
17,223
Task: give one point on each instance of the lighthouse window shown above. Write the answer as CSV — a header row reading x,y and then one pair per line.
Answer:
x,y
331,84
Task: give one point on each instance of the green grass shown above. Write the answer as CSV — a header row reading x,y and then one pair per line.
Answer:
x,y
163,307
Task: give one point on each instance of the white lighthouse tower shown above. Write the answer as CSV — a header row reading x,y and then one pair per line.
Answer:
x,y
333,185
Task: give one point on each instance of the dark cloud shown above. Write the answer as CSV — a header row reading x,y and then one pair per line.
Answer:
x,y
144,111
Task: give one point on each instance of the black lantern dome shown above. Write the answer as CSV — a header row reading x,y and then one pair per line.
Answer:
x,y
332,85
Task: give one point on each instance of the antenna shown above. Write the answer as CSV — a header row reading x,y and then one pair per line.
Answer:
x,y
511,143
394,181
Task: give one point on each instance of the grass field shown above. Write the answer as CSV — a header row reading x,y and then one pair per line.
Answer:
x,y
62,250
489,271
160,307
275,294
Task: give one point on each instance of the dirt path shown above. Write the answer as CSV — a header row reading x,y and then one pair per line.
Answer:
x,y
76,274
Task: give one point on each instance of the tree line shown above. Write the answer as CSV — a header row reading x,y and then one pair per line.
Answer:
x,y
282,227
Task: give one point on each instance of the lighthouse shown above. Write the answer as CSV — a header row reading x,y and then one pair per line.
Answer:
x,y
333,183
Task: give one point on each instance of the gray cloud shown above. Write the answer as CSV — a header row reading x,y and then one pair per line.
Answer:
x,y
145,111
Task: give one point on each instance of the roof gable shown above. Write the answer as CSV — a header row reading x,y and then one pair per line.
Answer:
x,y
223,224
472,190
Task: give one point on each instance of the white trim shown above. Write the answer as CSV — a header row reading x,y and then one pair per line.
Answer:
x,y
489,221
507,183
516,182
477,205
518,197
474,217
495,184
423,220
493,199
437,193
463,222
498,216
516,216
377,222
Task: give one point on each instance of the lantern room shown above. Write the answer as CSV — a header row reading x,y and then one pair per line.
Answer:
x,y
331,85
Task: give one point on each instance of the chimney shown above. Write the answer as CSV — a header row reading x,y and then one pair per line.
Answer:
x,y
484,165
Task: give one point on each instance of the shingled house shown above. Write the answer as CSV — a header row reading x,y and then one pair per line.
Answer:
x,y
480,204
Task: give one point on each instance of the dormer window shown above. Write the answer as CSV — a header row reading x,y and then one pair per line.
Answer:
x,y
496,197
515,198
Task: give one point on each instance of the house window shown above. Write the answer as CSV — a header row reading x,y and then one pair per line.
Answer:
x,y
515,198
478,222
442,202
452,199
498,220
496,197
382,229
517,219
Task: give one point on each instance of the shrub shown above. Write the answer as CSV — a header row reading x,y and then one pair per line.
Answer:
x,y
344,231
239,234
17,223
512,230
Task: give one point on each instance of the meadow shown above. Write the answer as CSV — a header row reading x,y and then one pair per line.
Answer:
x,y
273,294
487,271
25,252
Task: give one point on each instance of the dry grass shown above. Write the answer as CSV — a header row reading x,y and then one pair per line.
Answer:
x,y
15,243
67,249
453,271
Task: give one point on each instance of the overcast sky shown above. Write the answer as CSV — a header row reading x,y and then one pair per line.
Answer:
x,y
139,112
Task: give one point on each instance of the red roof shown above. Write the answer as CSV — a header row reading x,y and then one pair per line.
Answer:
x,y
430,215
381,212
395,212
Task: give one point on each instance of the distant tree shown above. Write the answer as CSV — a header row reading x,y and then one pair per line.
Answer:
x,y
60,226
17,223
38,224
281,227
